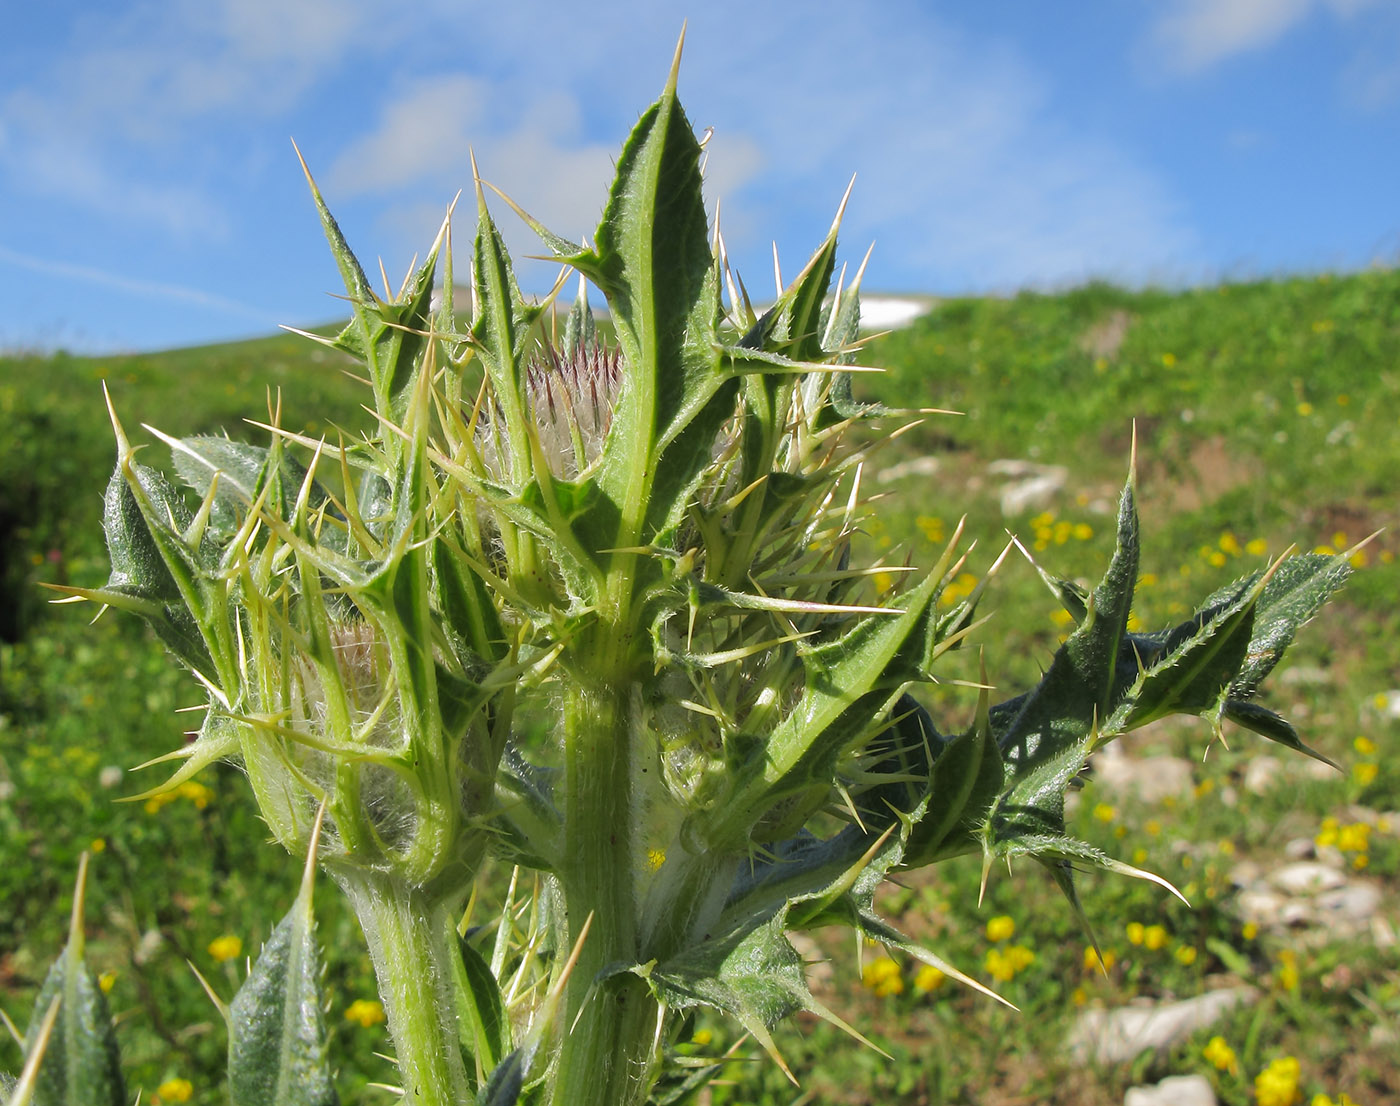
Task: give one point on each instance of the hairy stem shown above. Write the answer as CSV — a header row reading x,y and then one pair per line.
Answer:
x,y
607,1054
412,942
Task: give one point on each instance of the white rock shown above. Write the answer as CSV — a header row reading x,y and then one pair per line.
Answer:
x,y
146,948
1116,1036
1305,877
1304,675
1352,904
1261,774
1151,779
1029,485
1177,1090
915,466
1300,848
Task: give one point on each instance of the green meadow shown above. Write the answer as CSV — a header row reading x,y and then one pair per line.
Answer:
x,y
1263,416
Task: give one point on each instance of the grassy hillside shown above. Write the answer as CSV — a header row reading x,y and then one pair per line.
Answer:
x,y
1266,415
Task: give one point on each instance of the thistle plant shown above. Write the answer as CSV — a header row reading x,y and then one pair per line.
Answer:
x,y
590,602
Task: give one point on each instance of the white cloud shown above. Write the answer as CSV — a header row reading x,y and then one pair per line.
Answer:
x,y
421,135
109,124
134,286
1196,34
966,179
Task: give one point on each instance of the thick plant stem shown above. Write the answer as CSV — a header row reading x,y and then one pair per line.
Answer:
x,y
609,1029
412,940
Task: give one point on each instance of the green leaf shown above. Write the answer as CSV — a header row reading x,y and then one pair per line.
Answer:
x,y
851,681
81,1064
653,264
967,777
137,565
1199,659
1292,595
1266,723
242,470
1054,729
469,617
505,1083
580,331
501,329
390,337
481,1015
1087,676
277,1052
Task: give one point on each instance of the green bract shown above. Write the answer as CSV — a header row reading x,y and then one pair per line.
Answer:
x,y
590,604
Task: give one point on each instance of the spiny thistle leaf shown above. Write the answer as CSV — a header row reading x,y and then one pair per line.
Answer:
x,y
389,336
1292,595
483,1023
277,1034
81,1065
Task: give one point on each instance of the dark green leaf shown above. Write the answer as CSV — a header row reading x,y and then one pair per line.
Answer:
x,y
1266,723
277,1032
81,1065
481,1016
505,1083
1295,592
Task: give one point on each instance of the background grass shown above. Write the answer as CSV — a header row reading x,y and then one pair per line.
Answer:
x,y
1266,414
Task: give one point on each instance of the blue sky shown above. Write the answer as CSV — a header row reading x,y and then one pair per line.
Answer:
x,y
151,197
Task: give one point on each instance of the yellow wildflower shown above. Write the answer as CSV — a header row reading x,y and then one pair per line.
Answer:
x,y
1256,547
1364,745
1185,955
1083,531
882,976
1168,360
1230,544
226,947
702,1037
1136,931
1104,813
1354,838
1003,965
1154,938
1152,827
175,1090
1001,928
1365,772
107,980
1095,960
1249,931
1305,408
365,1012
1286,974
928,979
1277,1085
1221,1056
